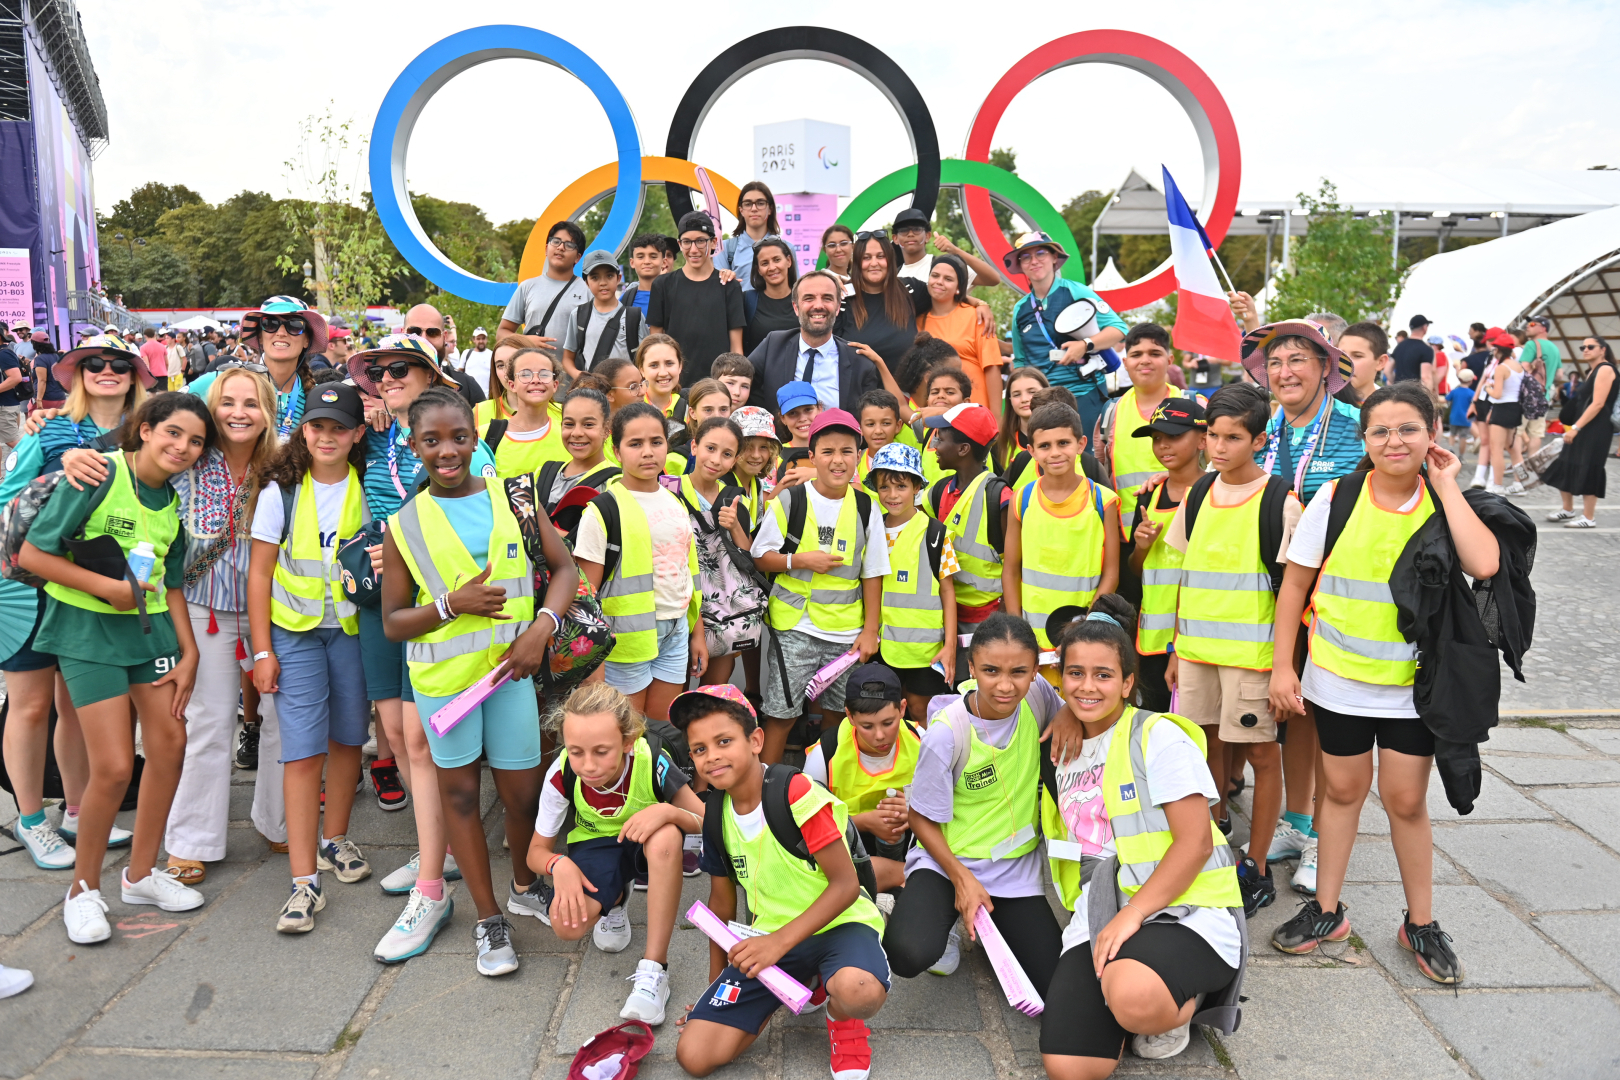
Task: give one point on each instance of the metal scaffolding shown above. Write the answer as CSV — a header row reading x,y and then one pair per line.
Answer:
x,y
13,66
58,31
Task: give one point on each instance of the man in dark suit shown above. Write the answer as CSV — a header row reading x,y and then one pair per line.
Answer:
x,y
811,353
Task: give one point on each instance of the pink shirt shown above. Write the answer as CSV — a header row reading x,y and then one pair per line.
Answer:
x,y
156,355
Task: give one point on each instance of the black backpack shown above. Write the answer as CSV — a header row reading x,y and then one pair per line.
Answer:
x,y
1271,518
661,737
568,523
786,831
992,507
610,332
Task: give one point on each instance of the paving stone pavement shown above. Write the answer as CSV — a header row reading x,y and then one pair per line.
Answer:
x,y
1528,885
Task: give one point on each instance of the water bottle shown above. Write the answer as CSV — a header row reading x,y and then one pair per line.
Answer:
x,y
141,560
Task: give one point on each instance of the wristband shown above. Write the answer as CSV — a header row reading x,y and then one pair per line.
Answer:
x,y
790,560
552,862
440,605
554,618
262,656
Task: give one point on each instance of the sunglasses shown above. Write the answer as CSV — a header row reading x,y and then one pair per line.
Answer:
x,y
295,324
98,364
881,234
431,332
398,370
243,365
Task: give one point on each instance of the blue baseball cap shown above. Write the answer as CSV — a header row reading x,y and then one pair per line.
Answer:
x,y
794,395
899,458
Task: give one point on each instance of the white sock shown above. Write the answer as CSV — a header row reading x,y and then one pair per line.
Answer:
x,y
313,879
1479,475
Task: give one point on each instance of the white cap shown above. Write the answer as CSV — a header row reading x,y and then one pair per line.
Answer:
x,y
480,330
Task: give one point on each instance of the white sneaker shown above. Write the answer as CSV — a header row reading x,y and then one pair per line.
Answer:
x,y
160,887
1580,523
951,957
86,916
649,995
1286,842
421,920
14,981
885,904
1167,1045
45,845
1514,488
1305,876
370,747
70,832
493,939
298,913
612,932
403,880
1495,489
1562,515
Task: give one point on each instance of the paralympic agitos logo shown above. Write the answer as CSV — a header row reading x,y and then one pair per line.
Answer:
x,y
624,178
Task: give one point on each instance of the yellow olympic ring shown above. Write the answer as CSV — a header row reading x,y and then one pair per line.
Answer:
x,y
594,185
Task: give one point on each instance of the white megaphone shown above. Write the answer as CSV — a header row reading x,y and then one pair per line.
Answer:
x,y
1077,321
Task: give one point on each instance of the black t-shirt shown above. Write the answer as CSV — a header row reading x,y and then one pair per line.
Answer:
x,y
698,314
1410,356
1476,361
888,339
768,316
8,364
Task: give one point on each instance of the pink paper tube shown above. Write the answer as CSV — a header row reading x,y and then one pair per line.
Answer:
x,y
457,708
788,990
1021,993
825,677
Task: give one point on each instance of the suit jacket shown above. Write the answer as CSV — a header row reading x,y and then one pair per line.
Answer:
x,y
776,357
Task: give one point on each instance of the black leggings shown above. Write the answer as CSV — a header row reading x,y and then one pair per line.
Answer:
x,y
925,912
1077,1021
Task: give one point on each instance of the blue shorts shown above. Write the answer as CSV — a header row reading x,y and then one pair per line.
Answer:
x,y
743,1003
609,865
383,660
505,727
25,658
318,699
670,665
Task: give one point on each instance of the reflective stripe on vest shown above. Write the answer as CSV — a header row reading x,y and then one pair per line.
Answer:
x,y
860,790
1224,604
833,599
627,594
1062,556
1161,582
979,582
1131,457
122,516
1142,830
912,621
454,655
1354,633
996,801
591,824
303,579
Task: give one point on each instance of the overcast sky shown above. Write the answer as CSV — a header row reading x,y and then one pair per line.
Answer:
x,y
210,93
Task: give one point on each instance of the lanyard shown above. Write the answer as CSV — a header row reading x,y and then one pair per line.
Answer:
x,y
1040,321
1311,436
295,407
393,457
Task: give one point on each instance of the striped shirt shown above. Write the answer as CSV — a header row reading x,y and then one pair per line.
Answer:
x,y
388,487
1338,451
205,513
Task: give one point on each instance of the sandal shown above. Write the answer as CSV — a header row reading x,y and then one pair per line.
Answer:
x,y
187,871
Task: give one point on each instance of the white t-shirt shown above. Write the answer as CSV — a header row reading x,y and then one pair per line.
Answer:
x,y
554,804
874,560
815,763
1321,687
476,364
750,824
268,521
1176,769
671,540
925,266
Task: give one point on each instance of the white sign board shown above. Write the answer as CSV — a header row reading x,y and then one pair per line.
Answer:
x,y
16,287
803,155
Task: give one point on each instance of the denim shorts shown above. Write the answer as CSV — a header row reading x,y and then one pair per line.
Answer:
x,y
505,727
318,699
383,660
670,665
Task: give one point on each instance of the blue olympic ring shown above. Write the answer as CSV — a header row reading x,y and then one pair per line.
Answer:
x,y
425,76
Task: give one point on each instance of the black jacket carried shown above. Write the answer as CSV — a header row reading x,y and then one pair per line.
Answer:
x,y
1458,628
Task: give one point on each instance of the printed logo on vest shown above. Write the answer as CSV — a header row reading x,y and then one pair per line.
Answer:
x,y
902,576
739,863
980,779
661,769
119,526
511,551
725,994
843,545
956,519
1127,792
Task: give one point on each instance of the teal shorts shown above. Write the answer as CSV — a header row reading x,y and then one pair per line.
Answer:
x,y
505,727
89,682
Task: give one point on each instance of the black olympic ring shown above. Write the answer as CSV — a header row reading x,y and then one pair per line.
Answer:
x,y
806,43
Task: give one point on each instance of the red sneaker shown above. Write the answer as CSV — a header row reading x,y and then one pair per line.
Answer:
x,y
391,794
851,1055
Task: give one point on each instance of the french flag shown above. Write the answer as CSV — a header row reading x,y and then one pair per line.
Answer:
x,y
1204,322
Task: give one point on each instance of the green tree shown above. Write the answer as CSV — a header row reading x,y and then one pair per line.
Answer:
x,y
138,214
148,275
1341,265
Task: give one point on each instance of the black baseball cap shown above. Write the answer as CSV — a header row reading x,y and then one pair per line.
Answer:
x,y
874,681
697,221
336,401
1417,321
1176,416
908,218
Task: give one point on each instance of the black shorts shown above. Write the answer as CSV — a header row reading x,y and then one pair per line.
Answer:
x,y
609,865
1482,411
1150,681
1507,414
884,850
1343,735
921,680
1077,1021
737,1001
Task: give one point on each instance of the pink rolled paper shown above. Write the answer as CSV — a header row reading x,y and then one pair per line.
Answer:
x,y
456,709
788,990
1021,993
825,677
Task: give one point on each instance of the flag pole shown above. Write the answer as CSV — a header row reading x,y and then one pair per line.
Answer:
x,y
1216,255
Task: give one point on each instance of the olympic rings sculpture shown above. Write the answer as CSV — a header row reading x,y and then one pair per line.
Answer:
x,y
624,178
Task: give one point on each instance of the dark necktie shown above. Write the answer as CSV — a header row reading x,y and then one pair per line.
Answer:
x,y
810,365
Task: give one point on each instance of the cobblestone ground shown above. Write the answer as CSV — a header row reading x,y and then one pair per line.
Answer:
x,y
1528,886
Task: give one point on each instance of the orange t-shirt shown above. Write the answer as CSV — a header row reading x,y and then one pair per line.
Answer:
x,y
978,349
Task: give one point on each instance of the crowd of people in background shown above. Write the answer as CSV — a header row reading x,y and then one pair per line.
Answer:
x,y
728,518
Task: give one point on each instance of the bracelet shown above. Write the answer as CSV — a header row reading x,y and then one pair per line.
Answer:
x,y
790,560
552,862
554,618
439,606
1129,904
262,656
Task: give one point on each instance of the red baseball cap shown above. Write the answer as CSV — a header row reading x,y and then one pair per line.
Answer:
x,y
969,419
834,418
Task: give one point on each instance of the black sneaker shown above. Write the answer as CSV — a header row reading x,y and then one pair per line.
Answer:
x,y
391,794
247,747
1225,825
1309,927
1257,891
1430,946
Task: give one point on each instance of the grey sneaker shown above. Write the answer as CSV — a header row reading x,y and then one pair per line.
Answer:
x,y
403,880
535,900
612,932
493,939
339,856
298,913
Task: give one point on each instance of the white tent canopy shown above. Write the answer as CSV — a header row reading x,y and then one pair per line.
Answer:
x,y
197,322
1568,270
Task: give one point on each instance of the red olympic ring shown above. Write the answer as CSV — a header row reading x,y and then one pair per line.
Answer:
x,y
1171,69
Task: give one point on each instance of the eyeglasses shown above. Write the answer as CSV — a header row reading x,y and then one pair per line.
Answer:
x,y
429,332
243,365
534,375
836,245
98,364
1405,433
634,388
753,204
565,245
397,370
1293,363
693,245
295,324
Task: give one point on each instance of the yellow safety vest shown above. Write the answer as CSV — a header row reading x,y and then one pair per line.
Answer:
x,y
860,790
1224,605
913,620
122,516
979,581
454,655
832,600
1354,633
515,458
932,470
995,804
627,593
303,577
1063,556
1161,581
1131,458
